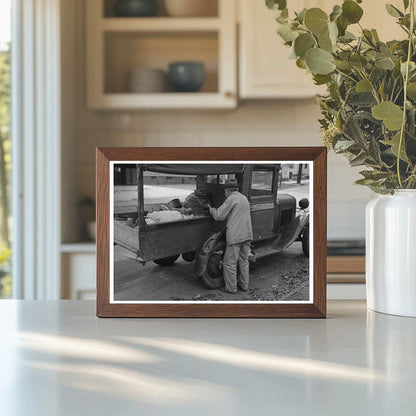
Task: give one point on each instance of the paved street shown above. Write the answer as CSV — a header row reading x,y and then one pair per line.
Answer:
x,y
281,276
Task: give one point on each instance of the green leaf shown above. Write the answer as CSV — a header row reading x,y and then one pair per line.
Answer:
x,y
358,61
393,11
319,61
348,37
300,17
385,63
406,4
325,42
343,65
361,99
374,150
368,36
303,43
411,90
364,181
336,12
412,67
301,63
375,35
351,11
391,114
316,20
286,32
284,13
276,4
358,160
363,86
333,32
394,143
374,175
342,25
354,131
343,145
321,79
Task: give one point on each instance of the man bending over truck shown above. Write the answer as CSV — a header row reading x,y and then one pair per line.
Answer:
x,y
236,212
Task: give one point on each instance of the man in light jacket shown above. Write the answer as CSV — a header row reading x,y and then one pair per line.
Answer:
x,y
235,211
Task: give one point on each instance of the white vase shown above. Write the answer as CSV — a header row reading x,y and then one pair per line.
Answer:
x,y
391,253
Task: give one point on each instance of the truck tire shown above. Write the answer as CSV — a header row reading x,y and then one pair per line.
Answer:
x,y
189,257
305,241
213,277
166,261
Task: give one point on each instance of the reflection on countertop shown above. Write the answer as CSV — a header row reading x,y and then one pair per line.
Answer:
x,y
63,360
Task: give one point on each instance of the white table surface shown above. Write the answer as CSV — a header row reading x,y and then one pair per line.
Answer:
x,y
56,358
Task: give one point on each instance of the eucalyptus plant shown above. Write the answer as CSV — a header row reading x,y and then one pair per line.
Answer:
x,y
369,112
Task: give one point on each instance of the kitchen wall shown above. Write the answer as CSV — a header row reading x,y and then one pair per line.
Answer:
x,y
255,123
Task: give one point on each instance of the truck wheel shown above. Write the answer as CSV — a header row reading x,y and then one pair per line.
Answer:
x,y
213,277
189,257
166,261
305,241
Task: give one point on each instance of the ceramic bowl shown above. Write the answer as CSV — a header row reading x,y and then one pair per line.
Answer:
x,y
136,8
147,80
186,76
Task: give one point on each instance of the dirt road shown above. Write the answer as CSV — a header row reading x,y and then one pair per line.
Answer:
x,y
281,276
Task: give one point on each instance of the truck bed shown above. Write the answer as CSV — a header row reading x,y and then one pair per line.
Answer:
x,y
166,239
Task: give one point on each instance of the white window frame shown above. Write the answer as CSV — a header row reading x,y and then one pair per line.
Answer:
x,y
36,144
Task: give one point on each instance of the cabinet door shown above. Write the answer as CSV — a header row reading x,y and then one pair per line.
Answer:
x,y
265,68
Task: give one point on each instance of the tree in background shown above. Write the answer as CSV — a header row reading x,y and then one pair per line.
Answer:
x,y
4,144
5,164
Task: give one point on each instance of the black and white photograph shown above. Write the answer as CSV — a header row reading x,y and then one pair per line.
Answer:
x,y
211,232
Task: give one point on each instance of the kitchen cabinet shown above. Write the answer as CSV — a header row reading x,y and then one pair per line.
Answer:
x,y
78,263
265,70
116,46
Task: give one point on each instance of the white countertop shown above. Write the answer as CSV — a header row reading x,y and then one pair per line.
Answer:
x,y
58,359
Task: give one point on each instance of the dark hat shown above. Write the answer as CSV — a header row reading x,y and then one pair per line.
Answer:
x,y
174,203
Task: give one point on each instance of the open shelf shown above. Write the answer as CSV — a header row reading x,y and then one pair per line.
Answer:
x,y
116,46
79,247
211,9
160,24
127,51
130,101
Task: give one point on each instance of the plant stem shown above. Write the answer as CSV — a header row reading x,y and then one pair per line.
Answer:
x,y
406,80
345,75
373,89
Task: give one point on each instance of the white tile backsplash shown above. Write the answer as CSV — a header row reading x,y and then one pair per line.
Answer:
x,y
271,123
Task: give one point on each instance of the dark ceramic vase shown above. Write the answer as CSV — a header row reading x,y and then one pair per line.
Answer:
x,y
186,76
135,8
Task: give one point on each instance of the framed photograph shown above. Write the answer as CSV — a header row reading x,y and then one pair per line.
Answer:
x,y
211,232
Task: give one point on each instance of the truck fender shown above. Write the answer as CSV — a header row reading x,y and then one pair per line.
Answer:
x,y
291,232
201,259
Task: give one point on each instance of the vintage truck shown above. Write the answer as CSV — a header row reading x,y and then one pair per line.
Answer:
x,y
276,220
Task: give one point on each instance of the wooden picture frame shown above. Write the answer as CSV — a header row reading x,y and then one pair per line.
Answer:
x,y
315,308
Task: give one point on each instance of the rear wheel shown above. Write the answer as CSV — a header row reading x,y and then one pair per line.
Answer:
x,y
305,241
213,277
166,261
